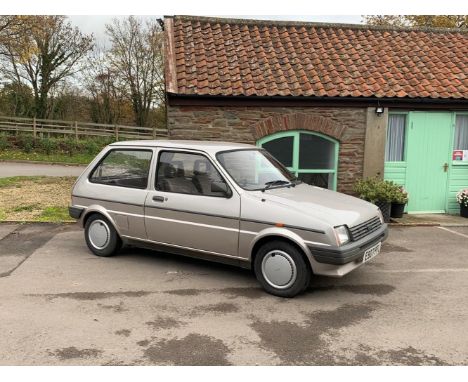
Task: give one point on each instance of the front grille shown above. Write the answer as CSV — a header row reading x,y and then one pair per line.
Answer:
x,y
362,230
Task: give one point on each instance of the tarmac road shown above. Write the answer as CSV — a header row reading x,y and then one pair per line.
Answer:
x,y
61,305
8,169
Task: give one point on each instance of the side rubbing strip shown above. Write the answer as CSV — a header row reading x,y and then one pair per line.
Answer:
x,y
285,225
107,200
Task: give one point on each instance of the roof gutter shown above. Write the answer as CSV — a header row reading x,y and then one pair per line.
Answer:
x,y
182,99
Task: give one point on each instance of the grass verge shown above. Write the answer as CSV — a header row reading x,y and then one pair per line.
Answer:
x,y
35,198
41,157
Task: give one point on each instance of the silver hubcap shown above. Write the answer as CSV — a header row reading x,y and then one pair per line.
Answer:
x,y
99,234
279,269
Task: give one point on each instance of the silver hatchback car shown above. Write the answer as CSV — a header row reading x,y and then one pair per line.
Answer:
x,y
224,202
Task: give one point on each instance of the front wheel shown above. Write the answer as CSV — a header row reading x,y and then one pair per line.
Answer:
x,y
281,269
101,237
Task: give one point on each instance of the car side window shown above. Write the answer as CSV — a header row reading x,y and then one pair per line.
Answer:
x,y
124,168
188,173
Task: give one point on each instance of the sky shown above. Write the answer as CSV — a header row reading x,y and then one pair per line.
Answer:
x,y
96,24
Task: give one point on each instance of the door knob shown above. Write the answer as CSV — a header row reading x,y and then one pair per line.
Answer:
x,y
158,198
445,167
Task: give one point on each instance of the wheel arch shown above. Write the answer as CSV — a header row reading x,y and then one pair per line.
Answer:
x,y
98,210
288,237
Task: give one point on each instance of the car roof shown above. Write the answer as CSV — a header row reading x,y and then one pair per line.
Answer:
x,y
209,146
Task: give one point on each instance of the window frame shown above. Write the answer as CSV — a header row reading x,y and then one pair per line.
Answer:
x,y
228,196
91,173
295,169
456,162
405,137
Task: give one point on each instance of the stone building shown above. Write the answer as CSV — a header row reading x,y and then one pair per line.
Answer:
x,y
332,102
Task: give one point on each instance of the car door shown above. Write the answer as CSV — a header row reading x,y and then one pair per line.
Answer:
x,y
119,184
189,208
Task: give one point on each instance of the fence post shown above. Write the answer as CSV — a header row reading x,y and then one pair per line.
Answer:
x,y
34,127
76,131
116,128
154,132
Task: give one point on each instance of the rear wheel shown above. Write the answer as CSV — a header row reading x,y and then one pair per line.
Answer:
x,y
101,237
281,269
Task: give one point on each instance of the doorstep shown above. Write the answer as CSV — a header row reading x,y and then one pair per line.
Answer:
x,y
443,220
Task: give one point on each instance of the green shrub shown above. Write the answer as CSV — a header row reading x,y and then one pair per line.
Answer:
x,y
400,195
25,143
4,142
91,147
70,146
375,189
47,145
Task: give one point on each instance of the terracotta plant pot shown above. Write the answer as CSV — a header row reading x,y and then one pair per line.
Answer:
x,y
385,208
397,210
463,211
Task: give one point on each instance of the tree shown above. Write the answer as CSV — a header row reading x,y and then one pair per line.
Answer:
x,y
439,21
434,21
106,97
6,23
136,58
69,103
11,26
48,52
385,20
16,99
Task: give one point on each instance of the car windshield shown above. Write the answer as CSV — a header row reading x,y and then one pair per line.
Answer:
x,y
255,169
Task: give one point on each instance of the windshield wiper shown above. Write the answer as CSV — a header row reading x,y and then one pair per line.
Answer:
x,y
275,183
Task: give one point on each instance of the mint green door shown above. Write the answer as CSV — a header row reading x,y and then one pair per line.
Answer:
x,y
428,154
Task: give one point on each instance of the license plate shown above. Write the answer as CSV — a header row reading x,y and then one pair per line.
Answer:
x,y
371,252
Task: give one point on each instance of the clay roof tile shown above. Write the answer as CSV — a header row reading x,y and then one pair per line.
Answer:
x,y
252,57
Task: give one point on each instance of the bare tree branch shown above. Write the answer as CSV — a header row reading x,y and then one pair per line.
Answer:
x,y
45,54
136,58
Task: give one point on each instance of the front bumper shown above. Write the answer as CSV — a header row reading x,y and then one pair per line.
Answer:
x,y
75,212
353,251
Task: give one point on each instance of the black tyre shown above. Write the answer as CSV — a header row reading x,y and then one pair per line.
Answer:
x,y
281,269
101,237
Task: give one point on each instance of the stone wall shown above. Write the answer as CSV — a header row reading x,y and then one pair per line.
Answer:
x,y
248,124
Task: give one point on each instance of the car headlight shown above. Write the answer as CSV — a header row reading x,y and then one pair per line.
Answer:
x,y
341,234
379,214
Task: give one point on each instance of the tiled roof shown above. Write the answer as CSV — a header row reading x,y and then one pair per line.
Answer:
x,y
214,56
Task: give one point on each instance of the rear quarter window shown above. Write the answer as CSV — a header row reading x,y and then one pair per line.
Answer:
x,y
123,168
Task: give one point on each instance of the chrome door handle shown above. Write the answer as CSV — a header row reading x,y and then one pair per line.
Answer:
x,y
158,198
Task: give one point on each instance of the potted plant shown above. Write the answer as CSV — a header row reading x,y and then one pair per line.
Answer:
x,y
399,200
377,191
462,199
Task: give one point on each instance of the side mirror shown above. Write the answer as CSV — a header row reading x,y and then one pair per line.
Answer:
x,y
220,187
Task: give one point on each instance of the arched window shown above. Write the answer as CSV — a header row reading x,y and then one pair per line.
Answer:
x,y
312,157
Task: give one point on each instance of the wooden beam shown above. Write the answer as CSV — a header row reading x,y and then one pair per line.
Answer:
x,y
170,72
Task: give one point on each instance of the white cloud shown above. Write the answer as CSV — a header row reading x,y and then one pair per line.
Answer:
x,y
96,24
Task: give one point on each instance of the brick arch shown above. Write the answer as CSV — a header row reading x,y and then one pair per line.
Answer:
x,y
297,121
